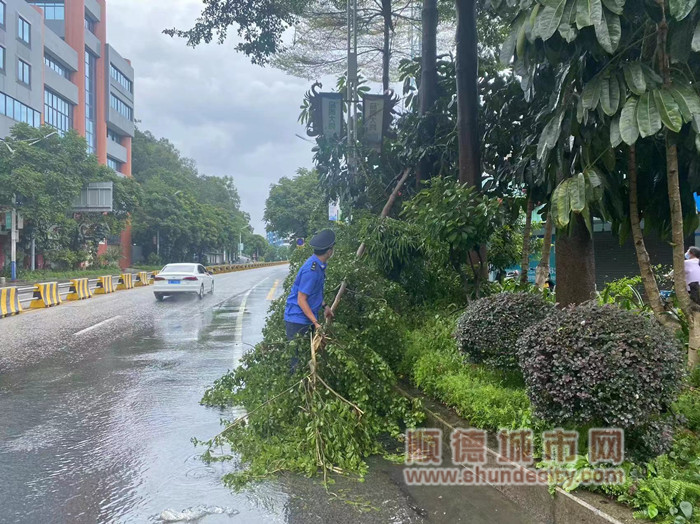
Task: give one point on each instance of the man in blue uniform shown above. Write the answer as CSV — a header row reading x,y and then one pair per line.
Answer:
x,y
305,300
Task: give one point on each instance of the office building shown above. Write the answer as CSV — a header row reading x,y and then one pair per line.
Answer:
x,y
56,68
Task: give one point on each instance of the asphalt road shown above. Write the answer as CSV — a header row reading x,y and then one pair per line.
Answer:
x,y
99,400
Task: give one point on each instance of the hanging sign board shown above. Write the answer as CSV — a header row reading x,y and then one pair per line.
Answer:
x,y
373,119
334,211
331,114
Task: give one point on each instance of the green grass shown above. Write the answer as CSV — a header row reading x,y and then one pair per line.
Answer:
x,y
487,398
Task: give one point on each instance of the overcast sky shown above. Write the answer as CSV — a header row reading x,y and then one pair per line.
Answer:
x,y
231,117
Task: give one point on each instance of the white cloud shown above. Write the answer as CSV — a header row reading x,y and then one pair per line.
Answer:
x,y
231,117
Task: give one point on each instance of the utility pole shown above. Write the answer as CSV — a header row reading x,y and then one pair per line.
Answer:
x,y
352,87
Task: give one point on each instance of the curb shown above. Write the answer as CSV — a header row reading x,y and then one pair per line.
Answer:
x,y
536,501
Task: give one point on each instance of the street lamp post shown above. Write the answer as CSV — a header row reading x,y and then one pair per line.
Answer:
x,y
13,243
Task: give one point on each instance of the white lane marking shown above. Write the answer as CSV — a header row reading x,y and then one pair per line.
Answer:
x,y
99,324
238,340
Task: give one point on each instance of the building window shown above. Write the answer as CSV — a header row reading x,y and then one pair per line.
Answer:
x,y
121,79
114,137
52,64
2,13
120,107
89,24
52,10
24,31
24,72
16,110
117,166
90,123
2,59
58,112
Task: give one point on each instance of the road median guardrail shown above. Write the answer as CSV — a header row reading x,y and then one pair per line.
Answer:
x,y
79,289
126,281
9,302
45,295
142,279
105,285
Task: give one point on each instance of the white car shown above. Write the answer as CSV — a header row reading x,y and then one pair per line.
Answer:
x,y
175,279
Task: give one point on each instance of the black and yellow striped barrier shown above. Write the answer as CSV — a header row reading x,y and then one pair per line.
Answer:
x,y
45,295
9,302
105,285
152,277
79,289
142,279
126,281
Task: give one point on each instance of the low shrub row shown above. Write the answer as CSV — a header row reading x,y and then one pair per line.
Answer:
x,y
665,488
588,365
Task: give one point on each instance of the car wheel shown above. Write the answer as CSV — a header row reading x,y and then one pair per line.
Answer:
x,y
159,297
201,292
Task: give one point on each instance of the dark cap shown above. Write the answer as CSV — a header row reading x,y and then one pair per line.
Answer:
x,y
323,240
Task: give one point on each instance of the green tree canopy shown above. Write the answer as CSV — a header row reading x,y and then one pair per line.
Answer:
x,y
296,207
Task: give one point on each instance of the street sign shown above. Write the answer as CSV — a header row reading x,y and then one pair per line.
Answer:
x,y
300,242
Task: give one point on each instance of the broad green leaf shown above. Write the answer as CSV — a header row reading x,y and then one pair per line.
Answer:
x,y
608,31
550,134
688,103
561,209
548,21
520,41
530,24
686,508
652,77
629,131
588,12
648,119
634,76
568,32
623,87
580,111
679,9
577,193
695,44
615,136
567,28
652,511
616,6
610,95
668,110
508,47
591,94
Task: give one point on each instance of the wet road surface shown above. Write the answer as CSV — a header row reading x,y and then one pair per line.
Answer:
x,y
99,401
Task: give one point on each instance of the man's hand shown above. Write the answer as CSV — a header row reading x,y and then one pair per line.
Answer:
x,y
328,312
317,326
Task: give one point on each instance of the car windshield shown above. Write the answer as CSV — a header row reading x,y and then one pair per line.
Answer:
x,y
179,268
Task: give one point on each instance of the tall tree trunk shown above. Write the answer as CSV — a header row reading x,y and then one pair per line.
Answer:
x,y
527,233
428,84
467,69
674,198
386,54
575,264
542,271
651,288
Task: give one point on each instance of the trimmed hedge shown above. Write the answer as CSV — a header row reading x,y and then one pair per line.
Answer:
x,y
595,364
488,330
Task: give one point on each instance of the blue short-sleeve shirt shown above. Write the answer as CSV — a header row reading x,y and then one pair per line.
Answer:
x,y
310,280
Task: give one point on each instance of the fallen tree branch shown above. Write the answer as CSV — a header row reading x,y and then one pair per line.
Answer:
x,y
361,250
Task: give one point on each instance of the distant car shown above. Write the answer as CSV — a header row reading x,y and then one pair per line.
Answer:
x,y
175,279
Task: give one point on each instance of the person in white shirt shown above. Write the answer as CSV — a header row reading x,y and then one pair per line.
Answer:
x,y
692,266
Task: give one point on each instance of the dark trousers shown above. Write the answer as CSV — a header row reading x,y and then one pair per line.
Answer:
x,y
293,331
